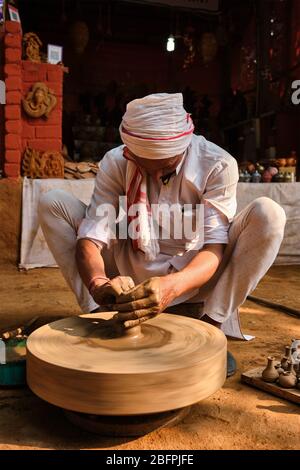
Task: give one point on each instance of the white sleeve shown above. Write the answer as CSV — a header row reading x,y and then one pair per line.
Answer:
x,y
216,226
100,219
221,186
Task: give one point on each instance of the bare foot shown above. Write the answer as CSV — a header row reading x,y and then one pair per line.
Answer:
x,y
209,320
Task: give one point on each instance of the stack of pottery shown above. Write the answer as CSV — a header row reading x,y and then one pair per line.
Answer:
x,y
285,373
280,170
256,177
245,176
287,167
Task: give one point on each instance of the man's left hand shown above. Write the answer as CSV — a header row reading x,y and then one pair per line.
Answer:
x,y
145,301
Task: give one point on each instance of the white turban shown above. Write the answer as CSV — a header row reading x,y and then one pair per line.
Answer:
x,y
157,126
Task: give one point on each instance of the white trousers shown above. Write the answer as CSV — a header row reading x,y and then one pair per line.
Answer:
x,y
255,236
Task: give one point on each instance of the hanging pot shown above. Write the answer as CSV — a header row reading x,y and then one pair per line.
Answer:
x,y
79,36
209,47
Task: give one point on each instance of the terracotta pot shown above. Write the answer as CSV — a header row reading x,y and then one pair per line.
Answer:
x,y
251,168
290,162
209,47
270,374
79,36
266,177
279,178
284,363
281,161
287,380
288,353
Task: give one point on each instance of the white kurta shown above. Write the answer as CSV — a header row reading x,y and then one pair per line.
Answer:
x,y
207,175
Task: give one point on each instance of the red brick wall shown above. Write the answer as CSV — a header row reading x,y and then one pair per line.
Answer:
x,y
21,131
1,105
12,112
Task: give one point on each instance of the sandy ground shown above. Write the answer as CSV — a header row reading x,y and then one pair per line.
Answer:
x,y
236,417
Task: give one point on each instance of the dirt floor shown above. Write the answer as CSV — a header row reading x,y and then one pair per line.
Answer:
x,y
236,417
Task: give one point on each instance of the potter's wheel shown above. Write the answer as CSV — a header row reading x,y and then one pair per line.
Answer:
x,y
82,364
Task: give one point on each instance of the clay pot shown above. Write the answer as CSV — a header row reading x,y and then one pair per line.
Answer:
x,y
294,353
281,161
279,178
267,177
79,36
256,177
291,368
288,353
288,177
209,47
273,170
241,177
287,380
284,363
260,168
290,162
247,177
251,168
270,374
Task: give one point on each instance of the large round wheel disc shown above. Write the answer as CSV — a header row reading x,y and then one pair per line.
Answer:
x,y
78,364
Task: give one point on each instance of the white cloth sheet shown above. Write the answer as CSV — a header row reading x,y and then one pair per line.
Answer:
x,y
35,252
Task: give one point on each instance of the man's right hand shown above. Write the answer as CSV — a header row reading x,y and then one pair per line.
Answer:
x,y
108,292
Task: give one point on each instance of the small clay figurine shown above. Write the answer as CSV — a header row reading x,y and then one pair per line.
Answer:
x,y
39,101
270,374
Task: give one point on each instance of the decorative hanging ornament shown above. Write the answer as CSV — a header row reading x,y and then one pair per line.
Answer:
x,y
189,43
209,47
79,36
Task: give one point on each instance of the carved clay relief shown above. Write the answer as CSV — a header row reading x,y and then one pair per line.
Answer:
x,y
31,47
42,165
39,101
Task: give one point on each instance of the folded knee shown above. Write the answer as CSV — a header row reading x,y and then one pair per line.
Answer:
x,y
50,201
269,214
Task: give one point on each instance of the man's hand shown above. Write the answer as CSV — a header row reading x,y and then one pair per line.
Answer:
x,y
108,293
145,301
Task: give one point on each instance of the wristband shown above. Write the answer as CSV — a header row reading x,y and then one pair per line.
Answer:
x,y
92,285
